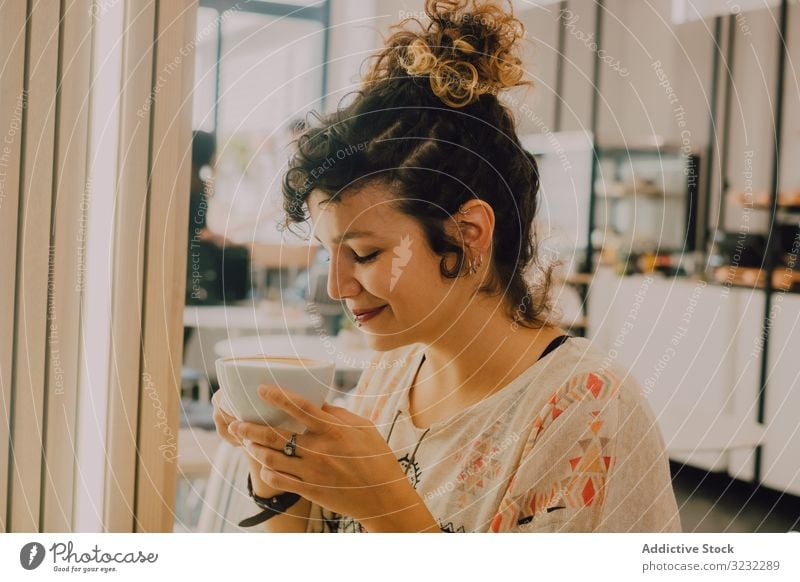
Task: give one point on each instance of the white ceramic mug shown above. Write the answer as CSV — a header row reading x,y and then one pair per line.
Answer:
x,y
240,377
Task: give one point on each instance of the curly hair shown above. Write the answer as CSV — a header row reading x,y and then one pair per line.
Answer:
x,y
428,125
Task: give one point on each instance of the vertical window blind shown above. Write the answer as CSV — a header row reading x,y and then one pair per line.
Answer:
x,y
47,99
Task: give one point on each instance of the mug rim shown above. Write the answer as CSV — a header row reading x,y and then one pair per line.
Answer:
x,y
315,362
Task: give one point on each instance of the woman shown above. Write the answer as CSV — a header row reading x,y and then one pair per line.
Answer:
x,y
476,415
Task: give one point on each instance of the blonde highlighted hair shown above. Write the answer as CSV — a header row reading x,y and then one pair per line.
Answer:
x,y
466,49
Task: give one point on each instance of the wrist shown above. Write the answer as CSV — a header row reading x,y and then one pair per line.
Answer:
x,y
270,507
259,487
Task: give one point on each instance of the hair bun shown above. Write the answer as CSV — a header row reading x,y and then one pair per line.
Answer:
x,y
468,49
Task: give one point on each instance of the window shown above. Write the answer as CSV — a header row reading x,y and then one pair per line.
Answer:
x,y
259,67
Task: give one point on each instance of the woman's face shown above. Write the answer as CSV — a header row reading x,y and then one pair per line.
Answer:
x,y
380,261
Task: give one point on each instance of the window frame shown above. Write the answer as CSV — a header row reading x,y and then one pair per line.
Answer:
x,y
318,12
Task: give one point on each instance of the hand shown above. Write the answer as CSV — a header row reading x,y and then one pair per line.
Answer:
x,y
341,463
223,420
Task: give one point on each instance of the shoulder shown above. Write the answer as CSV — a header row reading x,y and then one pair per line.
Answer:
x,y
586,389
593,421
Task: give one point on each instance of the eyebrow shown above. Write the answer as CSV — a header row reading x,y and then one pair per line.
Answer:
x,y
350,234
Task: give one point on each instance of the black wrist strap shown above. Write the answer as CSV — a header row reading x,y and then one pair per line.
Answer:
x,y
271,506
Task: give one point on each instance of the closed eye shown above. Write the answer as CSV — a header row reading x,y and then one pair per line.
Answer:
x,y
365,259
358,258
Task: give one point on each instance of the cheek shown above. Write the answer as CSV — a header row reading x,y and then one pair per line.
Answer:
x,y
417,286
376,278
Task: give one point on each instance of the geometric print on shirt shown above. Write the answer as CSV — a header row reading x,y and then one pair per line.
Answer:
x,y
583,473
480,466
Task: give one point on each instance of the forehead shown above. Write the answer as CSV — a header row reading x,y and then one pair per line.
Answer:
x,y
368,208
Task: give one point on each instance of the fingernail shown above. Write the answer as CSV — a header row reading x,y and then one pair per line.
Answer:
x,y
233,427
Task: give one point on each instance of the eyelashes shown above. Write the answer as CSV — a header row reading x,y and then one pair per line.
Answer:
x,y
358,258
365,259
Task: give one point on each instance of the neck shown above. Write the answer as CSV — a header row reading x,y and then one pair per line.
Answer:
x,y
482,351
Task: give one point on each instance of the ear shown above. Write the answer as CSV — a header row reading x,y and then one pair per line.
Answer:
x,y
474,226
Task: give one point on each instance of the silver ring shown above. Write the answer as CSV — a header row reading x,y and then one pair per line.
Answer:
x,y
290,448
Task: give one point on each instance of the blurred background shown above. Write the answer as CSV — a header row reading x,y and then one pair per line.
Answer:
x,y
655,128
667,134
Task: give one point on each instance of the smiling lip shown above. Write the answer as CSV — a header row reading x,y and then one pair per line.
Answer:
x,y
363,315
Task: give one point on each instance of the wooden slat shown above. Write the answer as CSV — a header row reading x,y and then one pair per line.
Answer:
x,y
128,259
32,267
166,265
12,70
68,234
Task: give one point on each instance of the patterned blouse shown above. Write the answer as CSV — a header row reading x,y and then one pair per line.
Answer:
x,y
570,445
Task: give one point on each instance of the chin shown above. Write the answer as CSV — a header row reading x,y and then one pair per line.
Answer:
x,y
385,343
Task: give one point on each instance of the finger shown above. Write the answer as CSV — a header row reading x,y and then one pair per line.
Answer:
x,y
276,461
345,415
228,418
298,408
230,439
219,404
283,481
268,436
223,429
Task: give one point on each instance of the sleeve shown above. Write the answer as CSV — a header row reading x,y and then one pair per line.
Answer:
x,y
562,479
595,461
640,497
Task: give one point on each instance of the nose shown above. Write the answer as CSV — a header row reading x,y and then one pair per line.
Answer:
x,y
341,282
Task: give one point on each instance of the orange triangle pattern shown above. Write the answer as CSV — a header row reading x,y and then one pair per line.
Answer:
x,y
584,483
597,385
594,384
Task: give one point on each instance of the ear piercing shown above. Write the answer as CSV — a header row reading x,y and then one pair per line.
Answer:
x,y
475,264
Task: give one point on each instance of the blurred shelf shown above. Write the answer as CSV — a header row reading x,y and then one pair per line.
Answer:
x,y
787,210
642,150
787,201
783,279
618,190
